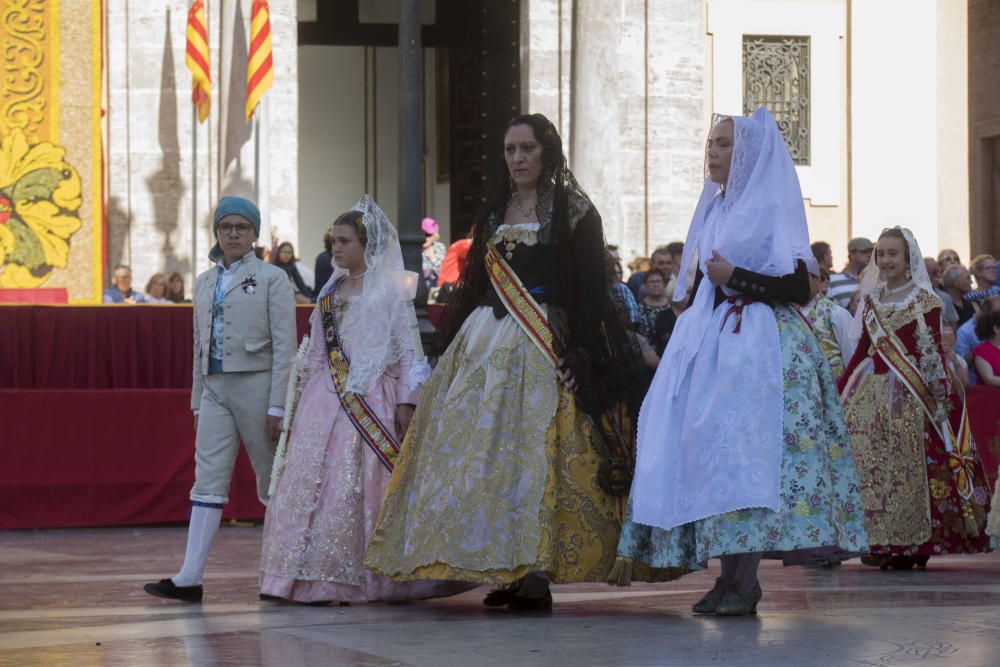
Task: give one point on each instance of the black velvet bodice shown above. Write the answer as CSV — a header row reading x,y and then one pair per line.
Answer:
x,y
535,266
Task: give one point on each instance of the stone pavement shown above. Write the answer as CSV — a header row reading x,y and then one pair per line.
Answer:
x,y
74,597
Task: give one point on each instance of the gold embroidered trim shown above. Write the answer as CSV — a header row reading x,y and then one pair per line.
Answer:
x,y
520,304
892,472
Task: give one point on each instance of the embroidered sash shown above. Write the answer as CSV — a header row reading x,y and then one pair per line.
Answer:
x,y
961,450
380,439
615,422
520,304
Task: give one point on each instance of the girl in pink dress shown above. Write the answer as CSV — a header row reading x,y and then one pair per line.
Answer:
x,y
359,382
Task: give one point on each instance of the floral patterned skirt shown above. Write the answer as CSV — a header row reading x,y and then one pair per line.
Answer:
x,y
821,507
910,497
497,474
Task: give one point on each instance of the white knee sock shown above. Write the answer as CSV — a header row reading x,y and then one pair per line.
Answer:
x,y
201,531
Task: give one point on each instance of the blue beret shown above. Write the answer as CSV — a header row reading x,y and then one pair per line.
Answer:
x,y
233,205
244,208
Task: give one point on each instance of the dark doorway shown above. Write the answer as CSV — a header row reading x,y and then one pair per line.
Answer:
x,y
480,40
486,93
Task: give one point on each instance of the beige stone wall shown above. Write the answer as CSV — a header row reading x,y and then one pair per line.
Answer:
x,y
678,112
953,124
640,94
824,180
916,91
540,58
165,172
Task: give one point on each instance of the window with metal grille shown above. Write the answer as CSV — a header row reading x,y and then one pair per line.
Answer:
x,y
776,76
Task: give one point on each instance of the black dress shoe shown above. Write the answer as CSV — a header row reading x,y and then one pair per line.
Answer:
x,y
522,603
500,597
165,588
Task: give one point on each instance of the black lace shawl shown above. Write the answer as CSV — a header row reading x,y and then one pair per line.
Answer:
x,y
591,339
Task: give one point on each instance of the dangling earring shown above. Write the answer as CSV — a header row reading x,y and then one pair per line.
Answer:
x,y
909,275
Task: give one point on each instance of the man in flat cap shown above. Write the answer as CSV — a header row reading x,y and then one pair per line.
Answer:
x,y
844,284
244,342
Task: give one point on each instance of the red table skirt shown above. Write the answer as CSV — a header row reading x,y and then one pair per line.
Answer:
x,y
75,458
100,347
95,407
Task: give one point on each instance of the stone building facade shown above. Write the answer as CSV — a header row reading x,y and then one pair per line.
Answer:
x,y
165,171
634,83
896,134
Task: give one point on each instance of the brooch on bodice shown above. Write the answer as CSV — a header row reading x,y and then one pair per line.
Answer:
x,y
249,284
340,304
511,235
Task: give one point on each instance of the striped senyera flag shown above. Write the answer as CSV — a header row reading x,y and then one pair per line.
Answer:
x,y
260,66
196,58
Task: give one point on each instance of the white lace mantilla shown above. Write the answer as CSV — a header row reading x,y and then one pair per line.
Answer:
x,y
710,428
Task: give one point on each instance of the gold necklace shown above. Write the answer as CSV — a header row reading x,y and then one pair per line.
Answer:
x,y
529,214
896,290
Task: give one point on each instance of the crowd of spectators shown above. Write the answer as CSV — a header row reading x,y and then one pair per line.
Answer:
x,y
970,295
970,310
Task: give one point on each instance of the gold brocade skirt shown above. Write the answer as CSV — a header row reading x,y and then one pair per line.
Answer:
x,y
888,440
497,475
912,501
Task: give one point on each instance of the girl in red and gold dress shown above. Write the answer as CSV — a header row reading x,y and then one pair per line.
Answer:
x,y
922,483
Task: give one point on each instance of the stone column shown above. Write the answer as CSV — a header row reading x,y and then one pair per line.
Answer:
x,y
678,114
600,135
411,87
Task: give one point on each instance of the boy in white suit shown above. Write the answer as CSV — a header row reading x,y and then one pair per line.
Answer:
x,y
244,342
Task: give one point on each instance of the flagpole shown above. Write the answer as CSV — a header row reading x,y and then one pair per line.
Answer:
x,y
410,174
265,228
198,60
264,165
256,154
259,80
194,195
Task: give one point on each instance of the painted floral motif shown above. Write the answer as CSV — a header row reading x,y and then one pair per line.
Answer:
x,y
39,204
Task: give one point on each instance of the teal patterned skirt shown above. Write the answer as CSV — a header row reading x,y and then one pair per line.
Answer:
x,y
821,509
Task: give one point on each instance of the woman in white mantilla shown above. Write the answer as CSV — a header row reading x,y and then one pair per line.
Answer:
x,y
361,363
742,445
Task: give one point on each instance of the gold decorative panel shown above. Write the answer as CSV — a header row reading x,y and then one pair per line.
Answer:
x,y
51,213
